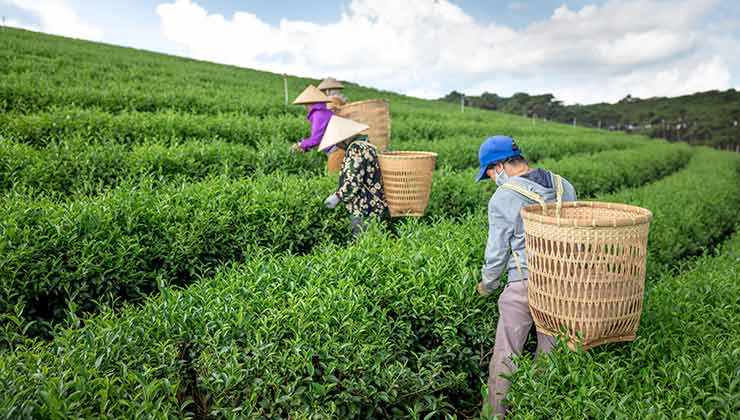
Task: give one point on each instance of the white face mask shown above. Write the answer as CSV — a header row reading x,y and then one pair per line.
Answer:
x,y
501,177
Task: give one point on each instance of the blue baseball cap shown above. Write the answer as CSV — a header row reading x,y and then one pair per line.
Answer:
x,y
493,150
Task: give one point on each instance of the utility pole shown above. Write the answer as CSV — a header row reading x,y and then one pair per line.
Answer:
x,y
462,103
285,89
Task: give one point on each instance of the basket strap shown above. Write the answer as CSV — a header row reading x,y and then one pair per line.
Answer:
x,y
534,197
516,261
558,181
529,194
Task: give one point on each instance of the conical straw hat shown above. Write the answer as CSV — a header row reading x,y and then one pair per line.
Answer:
x,y
340,129
330,83
311,95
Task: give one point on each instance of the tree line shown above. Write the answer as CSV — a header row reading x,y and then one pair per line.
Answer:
x,y
709,118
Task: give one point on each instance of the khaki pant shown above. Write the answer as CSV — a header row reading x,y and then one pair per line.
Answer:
x,y
511,334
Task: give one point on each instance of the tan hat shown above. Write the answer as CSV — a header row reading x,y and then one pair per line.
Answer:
x,y
311,95
340,129
330,83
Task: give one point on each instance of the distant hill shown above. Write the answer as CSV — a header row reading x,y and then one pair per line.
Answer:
x,y
710,118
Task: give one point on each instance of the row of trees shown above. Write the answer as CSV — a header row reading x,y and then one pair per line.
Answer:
x,y
711,118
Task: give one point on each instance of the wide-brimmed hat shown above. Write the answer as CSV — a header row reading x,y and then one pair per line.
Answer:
x,y
311,95
330,83
340,129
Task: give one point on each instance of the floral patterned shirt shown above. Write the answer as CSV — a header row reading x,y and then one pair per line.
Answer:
x,y
360,182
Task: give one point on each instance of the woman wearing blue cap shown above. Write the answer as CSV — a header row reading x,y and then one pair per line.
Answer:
x,y
518,186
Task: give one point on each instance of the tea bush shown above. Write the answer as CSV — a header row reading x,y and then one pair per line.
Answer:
x,y
692,209
122,242
95,126
180,232
386,327
75,167
455,193
462,152
613,170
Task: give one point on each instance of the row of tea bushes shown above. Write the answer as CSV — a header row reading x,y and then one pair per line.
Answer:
x,y
96,126
613,170
75,167
367,330
692,208
455,192
167,127
462,152
120,243
684,364
386,327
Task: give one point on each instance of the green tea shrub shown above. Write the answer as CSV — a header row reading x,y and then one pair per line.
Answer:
x,y
123,242
95,126
76,167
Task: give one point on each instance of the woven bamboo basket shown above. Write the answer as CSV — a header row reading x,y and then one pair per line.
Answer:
x,y
375,113
586,270
334,161
407,181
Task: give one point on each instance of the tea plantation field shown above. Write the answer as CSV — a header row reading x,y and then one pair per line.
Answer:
x,y
164,255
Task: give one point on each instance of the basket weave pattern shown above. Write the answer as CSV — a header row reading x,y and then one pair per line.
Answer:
x,y
407,181
375,113
587,270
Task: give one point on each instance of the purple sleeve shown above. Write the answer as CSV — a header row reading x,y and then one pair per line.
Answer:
x,y
319,121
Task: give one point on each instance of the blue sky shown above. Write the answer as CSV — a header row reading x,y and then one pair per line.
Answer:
x,y
582,51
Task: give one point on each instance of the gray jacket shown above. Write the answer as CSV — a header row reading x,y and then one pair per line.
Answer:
x,y
506,228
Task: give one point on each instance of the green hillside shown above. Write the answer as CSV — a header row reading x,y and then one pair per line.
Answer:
x,y
165,255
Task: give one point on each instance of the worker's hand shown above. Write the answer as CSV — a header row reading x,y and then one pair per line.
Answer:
x,y
487,283
331,201
296,147
482,289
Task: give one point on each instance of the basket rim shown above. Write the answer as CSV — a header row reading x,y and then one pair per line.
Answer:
x,y
406,154
350,104
641,215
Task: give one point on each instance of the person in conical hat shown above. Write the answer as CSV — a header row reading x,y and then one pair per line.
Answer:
x,y
332,88
318,115
360,182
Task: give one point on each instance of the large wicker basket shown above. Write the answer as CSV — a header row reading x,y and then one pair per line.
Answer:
x,y
375,113
587,269
407,181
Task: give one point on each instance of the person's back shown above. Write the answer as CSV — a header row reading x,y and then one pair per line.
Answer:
x,y
518,186
505,220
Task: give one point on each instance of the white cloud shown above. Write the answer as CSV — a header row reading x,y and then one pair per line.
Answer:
x,y
55,17
427,48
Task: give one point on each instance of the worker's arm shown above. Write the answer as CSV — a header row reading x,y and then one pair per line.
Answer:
x,y
350,180
500,231
319,121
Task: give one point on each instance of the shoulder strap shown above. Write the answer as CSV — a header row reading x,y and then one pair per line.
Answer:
x,y
529,194
532,196
558,181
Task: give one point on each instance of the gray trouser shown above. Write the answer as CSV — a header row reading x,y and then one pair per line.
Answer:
x,y
511,334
